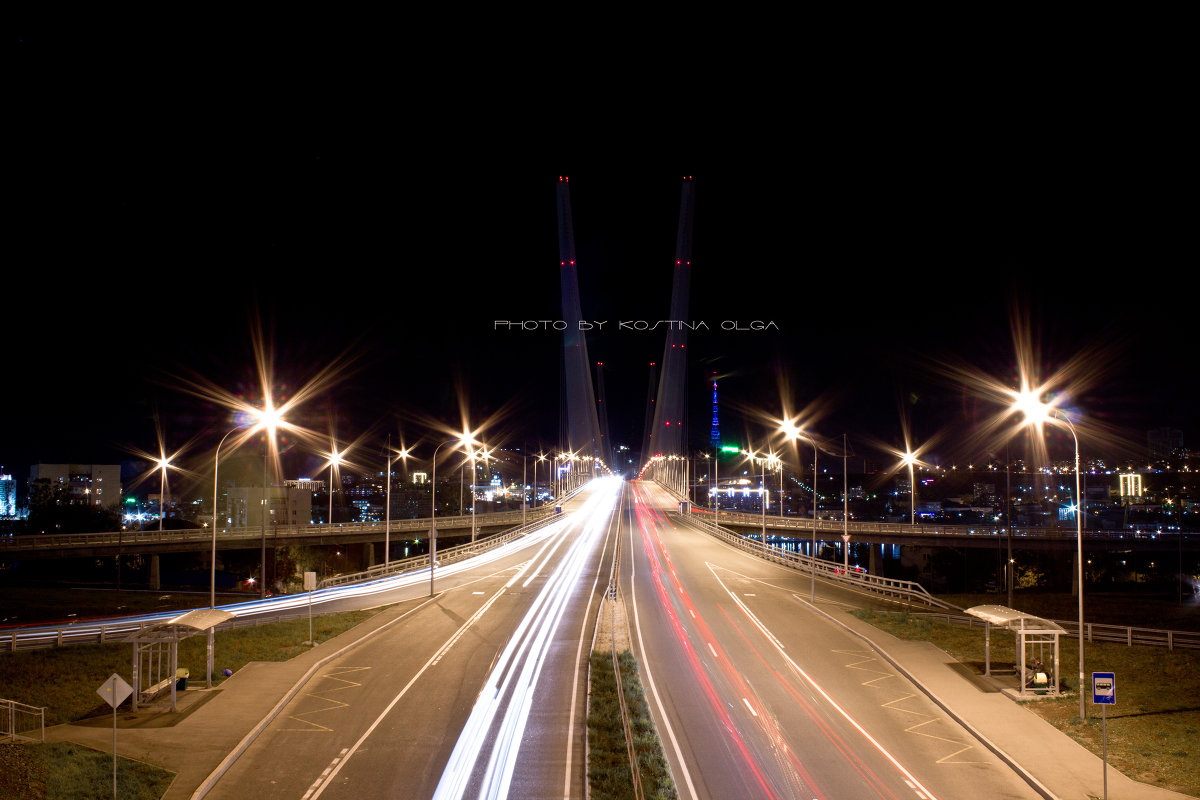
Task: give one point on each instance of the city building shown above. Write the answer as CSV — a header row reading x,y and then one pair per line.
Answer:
x,y
86,484
1131,486
8,496
1164,443
286,505
984,493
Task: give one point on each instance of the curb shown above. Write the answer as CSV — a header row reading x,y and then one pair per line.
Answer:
x,y
995,749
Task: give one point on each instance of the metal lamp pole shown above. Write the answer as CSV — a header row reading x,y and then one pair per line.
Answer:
x,y
433,512
212,584
1078,554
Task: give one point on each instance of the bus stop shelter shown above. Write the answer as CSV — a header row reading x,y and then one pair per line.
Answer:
x,y
156,651
1031,632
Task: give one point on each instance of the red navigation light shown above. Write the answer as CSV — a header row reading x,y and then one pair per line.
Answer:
x,y
677,262
572,262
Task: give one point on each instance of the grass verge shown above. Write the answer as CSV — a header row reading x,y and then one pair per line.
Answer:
x,y
1153,731
65,771
65,679
609,775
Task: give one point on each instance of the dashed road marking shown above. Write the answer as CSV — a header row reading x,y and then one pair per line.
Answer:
x,y
332,765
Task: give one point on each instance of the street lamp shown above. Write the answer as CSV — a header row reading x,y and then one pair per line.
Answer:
x,y
163,463
541,457
268,418
754,459
909,458
466,440
1037,413
335,460
387,524
792,432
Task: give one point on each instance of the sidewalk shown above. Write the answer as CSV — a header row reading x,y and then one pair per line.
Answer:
x,y
210,723
1062,766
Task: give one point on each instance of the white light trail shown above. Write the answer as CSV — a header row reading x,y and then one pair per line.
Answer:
x,y
512,684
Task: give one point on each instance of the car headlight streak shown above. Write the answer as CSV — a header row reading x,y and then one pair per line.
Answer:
x,y
515,675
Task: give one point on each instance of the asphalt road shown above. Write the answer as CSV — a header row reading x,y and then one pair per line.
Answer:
x,y
756,695
480,691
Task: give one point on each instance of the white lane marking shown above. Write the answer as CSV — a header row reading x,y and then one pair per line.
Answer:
x,y
713,649
747,702
317,782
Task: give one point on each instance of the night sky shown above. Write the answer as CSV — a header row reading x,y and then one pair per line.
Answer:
x,y
143,247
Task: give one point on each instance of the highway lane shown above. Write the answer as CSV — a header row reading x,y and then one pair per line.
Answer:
x,y
757,695
477,692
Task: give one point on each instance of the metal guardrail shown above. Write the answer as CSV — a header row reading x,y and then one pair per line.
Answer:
x,y
37,637
41,639
21,721
1095,632
835,526
905,591
133,538
450,555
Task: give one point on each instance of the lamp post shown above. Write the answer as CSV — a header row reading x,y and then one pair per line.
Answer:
x,y
541,457
466,439
754,459
1036,414
909,458
212,586
335,460
268,418
387,524
163,463
793,433
262,584
474,477
845,505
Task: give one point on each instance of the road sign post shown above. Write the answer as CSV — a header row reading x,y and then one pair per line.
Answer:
x,y
1104,694
114,691
310,583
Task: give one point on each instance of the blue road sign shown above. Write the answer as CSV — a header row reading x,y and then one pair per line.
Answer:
x,y
1104,688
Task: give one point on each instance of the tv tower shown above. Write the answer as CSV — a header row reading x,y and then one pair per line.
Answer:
x,y
715,437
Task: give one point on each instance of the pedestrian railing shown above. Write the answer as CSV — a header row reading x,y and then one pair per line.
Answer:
x,y
892,588
1095,632
450,555
22,723
838,527
133,538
